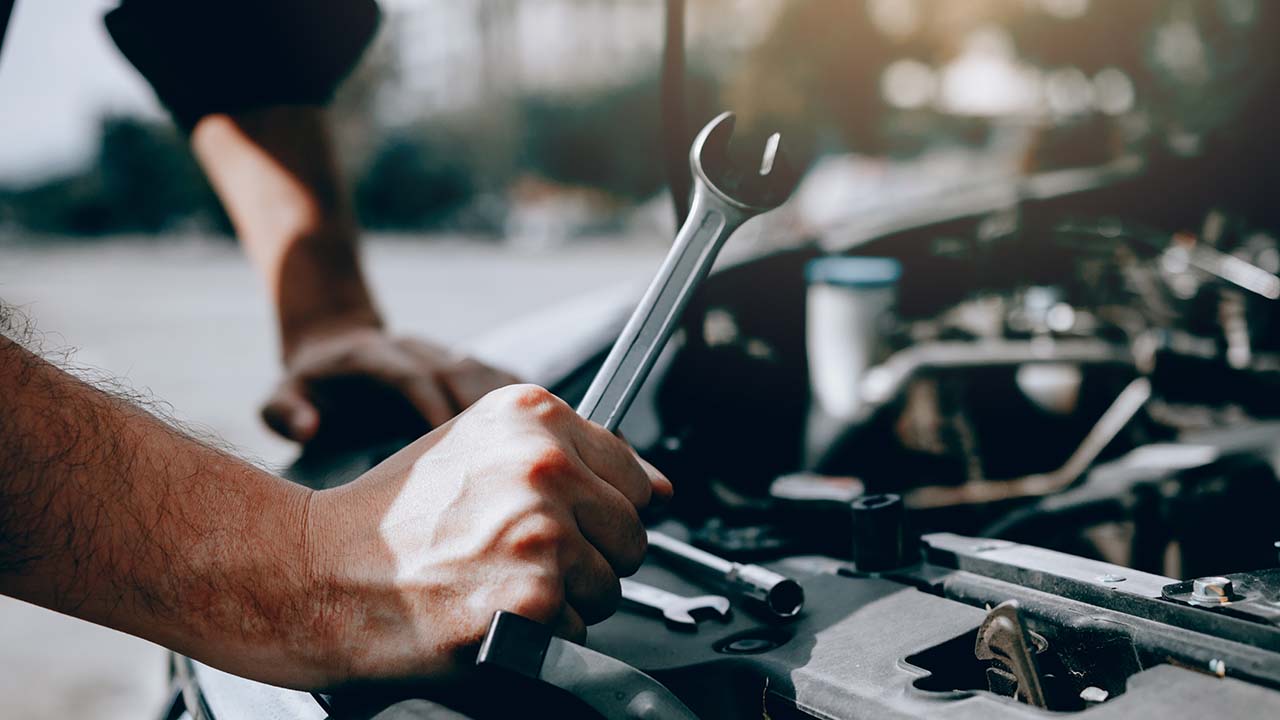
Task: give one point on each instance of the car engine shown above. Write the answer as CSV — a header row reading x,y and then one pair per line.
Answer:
x,y
1017,442
1020,459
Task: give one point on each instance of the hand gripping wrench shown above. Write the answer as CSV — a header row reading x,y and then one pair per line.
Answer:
x,y
726,194
680,611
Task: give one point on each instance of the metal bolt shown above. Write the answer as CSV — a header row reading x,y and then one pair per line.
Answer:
x,y
1093,695
1211,591
1111,578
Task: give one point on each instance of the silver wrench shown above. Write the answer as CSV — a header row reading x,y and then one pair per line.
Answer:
x,y
682,612
725,195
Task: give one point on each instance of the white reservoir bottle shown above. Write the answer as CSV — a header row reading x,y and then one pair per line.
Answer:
x,y
849,311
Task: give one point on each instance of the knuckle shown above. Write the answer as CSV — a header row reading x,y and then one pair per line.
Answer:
x,y
504,397
465,365
351,353
538,402
539,536
436,377
549,465
538,598
527,395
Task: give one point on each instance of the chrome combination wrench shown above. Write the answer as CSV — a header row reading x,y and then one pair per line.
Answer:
x,y
679,611
726,194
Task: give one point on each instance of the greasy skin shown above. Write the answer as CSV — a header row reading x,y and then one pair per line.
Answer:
x,y
111,515
274,171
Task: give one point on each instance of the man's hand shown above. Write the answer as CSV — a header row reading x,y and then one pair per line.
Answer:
x,y
517,504
437,383
275,173
110,515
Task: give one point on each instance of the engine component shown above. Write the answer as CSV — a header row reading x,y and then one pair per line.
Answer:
x,y
611,687
680,611
878,533
778,595
1003,637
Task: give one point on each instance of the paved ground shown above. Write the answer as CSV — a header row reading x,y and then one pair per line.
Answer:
x,y
187,320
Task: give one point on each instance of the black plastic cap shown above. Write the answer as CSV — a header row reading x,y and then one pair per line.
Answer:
x,y
878,532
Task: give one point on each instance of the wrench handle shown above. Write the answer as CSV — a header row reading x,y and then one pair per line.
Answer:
x,y
637,348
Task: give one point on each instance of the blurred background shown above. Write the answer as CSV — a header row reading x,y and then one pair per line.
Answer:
x,y
533,123
506,156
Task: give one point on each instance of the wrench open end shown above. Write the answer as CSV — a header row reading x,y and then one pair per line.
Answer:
x,y
717,606
754,181
728,191
770,153
706,607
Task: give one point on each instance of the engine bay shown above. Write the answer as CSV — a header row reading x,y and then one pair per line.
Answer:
x,y
1043,479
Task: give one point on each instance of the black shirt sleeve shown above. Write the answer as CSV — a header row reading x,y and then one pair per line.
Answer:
x,y
220,56
6,9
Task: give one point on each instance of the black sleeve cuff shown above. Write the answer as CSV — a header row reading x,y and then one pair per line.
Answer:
x,y
225,56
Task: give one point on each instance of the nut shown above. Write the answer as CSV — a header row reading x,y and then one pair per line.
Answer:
x,y
1211,591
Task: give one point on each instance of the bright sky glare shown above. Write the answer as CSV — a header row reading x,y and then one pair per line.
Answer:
x,y
59,72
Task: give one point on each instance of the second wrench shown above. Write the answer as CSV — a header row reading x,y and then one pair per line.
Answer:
x,y
778,595
679,611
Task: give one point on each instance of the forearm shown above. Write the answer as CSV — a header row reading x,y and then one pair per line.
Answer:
x,y
108,514
276,175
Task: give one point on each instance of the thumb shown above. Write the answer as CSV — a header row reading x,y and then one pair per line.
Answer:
x,y
290,413
663,489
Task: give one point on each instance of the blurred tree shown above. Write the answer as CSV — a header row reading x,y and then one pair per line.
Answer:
x,y
817,73
609,140
149,179
418,178
143,179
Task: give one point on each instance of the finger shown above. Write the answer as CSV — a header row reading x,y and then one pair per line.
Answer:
x,y
663,490
469,380
592,587
465,378
611,524
395,367
291,413
569,625
614,461
428,398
